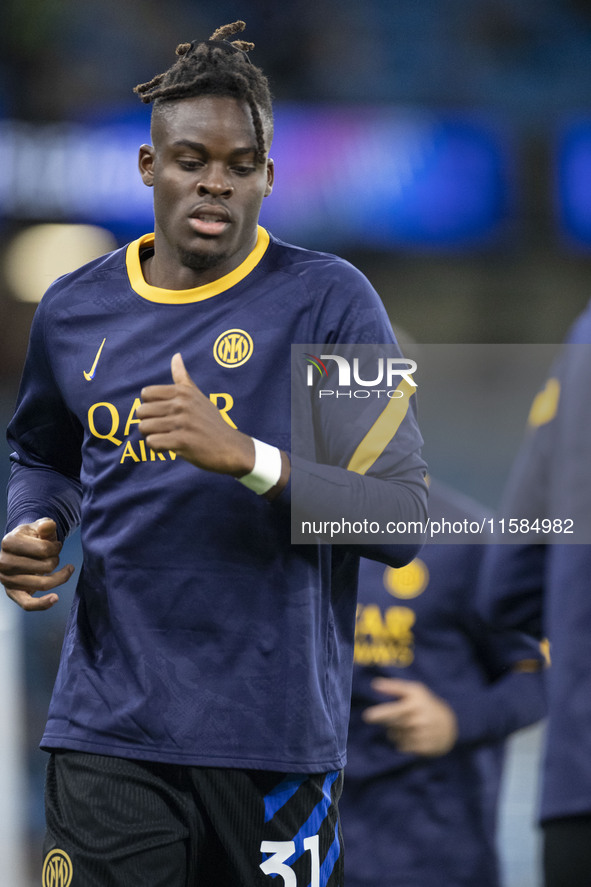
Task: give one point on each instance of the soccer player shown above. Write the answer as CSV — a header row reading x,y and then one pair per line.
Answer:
x,y
435,693
197,728
544,589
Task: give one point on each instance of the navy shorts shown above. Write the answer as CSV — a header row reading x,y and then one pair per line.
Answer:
x,y
113,822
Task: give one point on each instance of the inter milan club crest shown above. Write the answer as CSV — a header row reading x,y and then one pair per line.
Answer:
x,y
233,348
57,869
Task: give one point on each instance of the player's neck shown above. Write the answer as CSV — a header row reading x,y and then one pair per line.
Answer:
x,y
176,272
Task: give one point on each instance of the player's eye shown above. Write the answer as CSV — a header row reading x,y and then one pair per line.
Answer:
x,y
190,163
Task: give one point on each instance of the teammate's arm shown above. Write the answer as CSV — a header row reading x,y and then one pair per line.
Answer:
x,y
416,720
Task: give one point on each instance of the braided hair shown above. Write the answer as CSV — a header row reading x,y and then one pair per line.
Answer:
x,y
217,67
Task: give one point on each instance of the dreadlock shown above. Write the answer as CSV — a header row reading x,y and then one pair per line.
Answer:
x,y
217,67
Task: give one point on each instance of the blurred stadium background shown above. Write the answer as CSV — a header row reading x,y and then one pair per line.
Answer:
x,y
444,146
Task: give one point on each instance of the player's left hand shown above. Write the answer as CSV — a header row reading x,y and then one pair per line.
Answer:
x,y
180,417
417,721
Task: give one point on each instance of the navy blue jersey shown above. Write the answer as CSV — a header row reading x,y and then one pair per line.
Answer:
x,y
430,822
545,588
198,634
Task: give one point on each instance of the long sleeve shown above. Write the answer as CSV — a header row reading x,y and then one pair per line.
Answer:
x,y
514,701
46,439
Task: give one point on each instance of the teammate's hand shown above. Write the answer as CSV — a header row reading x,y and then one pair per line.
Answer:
x,y
29,555
417,721
181,418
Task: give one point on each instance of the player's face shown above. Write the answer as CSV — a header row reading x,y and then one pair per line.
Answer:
x,y
208,188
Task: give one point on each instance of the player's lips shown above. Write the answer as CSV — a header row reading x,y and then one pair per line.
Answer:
x,y
209,220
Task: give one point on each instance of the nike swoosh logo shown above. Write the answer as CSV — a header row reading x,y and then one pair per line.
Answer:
x,y
90,375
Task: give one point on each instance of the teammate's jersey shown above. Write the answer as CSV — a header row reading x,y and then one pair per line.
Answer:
x,y
545,588
198,634
411,821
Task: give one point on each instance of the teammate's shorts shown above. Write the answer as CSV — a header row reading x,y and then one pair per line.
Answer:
x,y
567,852
113,822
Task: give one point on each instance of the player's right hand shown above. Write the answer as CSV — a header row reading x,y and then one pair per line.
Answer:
x,y
29,561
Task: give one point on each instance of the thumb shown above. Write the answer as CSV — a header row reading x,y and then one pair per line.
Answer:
x,y
45,528
180,375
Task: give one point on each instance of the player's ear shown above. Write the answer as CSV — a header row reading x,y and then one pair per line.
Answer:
x,y
270,176
146,164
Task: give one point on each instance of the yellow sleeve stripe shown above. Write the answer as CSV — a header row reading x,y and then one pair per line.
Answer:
x,y
382,431
545,404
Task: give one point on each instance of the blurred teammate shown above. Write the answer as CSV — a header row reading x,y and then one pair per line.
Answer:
x,y
434,695
198,721
545,589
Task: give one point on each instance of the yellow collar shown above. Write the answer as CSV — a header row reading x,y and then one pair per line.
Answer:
x,y
198,293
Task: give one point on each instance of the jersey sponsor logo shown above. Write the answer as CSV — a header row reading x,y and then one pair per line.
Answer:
x,y
384,637
116,425
57,869
233,348
89,376
407,582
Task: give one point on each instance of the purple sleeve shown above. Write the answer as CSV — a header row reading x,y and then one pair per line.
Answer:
x,y
510,703
40,492
46,439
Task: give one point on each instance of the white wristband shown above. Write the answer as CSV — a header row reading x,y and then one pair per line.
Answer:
x,y
267,468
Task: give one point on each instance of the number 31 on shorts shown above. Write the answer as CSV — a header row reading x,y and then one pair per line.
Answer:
x,y
281,851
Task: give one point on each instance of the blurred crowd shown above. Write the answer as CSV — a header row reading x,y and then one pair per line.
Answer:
x,y
528,58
